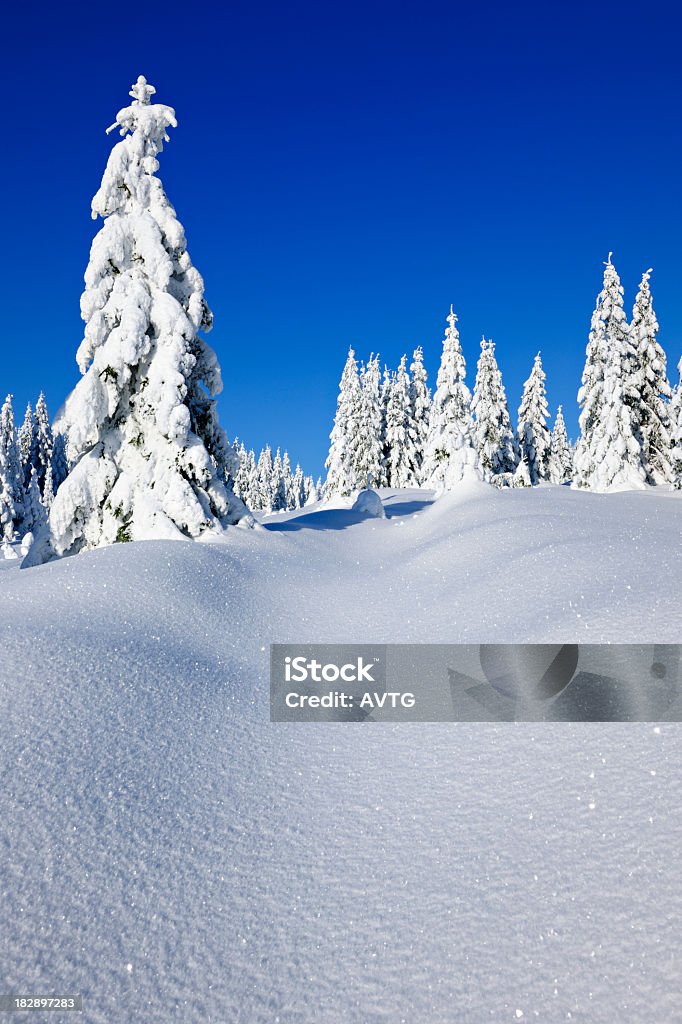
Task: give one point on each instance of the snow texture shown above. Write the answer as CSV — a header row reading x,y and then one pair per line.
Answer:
x,y
174,857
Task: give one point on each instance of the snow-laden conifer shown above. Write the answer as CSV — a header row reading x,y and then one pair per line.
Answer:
x,y
11,476
369,444
35,515
43,441
676,430
450,454
560,452
650,399
309,491
398,443
60,465
149,457
495,439
420,412
278,487
343,462
298,491
26,445
532,433
609,450
241,482
263,497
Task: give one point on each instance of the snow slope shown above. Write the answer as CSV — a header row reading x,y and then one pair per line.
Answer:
x,y
173,856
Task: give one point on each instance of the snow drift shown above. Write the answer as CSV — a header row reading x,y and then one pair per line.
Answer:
x,y
172,856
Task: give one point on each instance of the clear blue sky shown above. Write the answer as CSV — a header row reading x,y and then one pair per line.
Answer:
x,y
343,173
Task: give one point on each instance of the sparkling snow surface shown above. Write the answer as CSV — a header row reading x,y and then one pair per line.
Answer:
x,y
172,856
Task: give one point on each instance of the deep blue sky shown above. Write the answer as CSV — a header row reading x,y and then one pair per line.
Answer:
x,y
343,173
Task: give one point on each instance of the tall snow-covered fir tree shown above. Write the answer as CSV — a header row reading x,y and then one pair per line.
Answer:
x,y
43,444
609,451
149,457
399,458
26,436
369,445
35,514
532,433
263,498
497,446
420,412
12,494
343,459
279,492
651,397
450,454
560,452
60,465
676,430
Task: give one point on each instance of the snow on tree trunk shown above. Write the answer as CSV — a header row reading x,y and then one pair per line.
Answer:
x,y
149,457
400,470
450,455
532,433
560,452
419,415
609,451
497,447
653,391
11,475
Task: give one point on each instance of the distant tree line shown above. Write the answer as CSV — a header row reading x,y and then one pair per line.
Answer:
x,y
389,431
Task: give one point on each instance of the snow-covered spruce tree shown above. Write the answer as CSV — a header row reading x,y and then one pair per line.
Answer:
x,y
309,491
399,457
35,515
450,454
650,400
60,465
369,458
278,487
43,445
495,439
676,431
241,482
532,433
298,489
342,461
609,450
26,443
384,395
420,412
149,458
560,452
11,476
47,496
263,497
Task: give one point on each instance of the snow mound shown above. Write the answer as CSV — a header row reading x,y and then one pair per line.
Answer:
x,y
369,502
173,856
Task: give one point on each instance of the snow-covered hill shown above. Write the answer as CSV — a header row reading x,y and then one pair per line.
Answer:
x,y
173,856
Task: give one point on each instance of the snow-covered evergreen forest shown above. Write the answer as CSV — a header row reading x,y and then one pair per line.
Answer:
x,y
137,451
392,432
